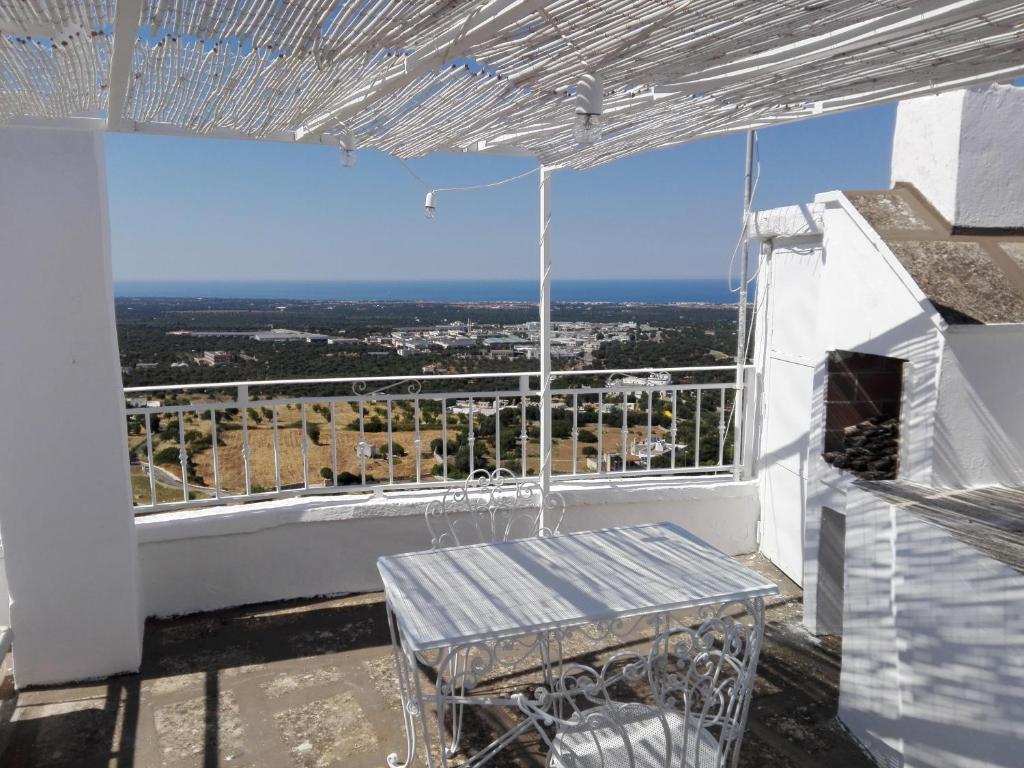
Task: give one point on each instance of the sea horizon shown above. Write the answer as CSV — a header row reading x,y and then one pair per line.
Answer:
x,y
652,291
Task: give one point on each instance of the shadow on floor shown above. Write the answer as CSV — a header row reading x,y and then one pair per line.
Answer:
x,y
309,684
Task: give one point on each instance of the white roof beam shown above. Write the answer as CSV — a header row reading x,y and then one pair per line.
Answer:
x,y
126,31
485,21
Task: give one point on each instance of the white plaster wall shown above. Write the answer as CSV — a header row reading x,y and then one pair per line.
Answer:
x,y
979,424
65,512
990,184
5,596
964,150
867,304
278,550
853,295
869,686
925,148
933,649
786,360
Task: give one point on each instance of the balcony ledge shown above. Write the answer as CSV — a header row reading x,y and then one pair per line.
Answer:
x,y
232,519
216,557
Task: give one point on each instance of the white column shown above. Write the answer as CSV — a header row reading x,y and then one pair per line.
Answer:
x,y
545,330
741,322
65,509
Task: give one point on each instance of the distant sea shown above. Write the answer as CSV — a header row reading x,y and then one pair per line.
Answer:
x,y
611,291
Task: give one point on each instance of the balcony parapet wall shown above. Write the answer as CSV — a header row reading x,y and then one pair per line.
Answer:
x,y
202,560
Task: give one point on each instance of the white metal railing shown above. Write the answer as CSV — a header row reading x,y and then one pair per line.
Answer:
x,y
201,444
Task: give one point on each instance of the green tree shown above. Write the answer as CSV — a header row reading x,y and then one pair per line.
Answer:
x,y
168,455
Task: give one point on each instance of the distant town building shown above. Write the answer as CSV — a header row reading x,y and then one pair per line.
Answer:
x,y
453,342
141,402
286,334
216,358
503,342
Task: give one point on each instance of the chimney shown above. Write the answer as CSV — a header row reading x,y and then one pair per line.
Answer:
x,y
964,151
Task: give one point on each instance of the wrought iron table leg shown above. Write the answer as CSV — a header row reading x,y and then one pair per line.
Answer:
x,y
757,604
404,669
551,661
457,708
424,718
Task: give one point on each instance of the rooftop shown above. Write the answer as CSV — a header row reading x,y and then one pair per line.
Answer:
x,y
310,683
971,277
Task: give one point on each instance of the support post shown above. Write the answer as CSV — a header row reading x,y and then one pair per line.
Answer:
x,y
741,321
71,552
545,333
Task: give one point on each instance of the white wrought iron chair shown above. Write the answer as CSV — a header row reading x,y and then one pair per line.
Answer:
x,y
701,681
493,506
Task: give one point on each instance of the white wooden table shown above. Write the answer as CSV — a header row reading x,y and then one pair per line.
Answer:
x,y
465,610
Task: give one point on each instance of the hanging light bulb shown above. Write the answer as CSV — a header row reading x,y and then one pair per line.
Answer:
x,y
347,145
430,205
586,128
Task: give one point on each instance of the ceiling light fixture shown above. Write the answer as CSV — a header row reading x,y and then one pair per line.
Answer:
x,y
347,145
586,128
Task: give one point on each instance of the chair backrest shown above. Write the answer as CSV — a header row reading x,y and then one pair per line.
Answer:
x,y
584,726
493,506
707,672
701,679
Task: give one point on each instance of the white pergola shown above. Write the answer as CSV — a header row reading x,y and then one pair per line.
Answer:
x,y
412,77
408,77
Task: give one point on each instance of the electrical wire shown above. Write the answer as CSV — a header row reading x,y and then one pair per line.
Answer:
x,y
468,187
740,243
489,185
413,173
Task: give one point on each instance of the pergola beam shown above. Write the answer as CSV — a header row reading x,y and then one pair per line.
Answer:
x,y
126,32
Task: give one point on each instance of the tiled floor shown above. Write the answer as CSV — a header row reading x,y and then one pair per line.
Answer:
x,y
309,684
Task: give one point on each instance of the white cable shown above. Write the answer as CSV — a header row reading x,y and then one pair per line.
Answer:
x,y
489,185
759,304
469,187
746,216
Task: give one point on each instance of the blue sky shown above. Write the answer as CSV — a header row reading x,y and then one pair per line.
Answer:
x,y
208,209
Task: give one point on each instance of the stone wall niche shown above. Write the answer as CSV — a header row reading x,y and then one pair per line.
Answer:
x,y
862,414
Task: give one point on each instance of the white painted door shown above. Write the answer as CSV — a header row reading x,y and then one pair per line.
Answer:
x,y
786,360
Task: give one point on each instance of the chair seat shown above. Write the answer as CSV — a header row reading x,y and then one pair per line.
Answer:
x,y
599,740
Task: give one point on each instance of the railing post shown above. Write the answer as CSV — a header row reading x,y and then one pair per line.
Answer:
x,y
524,435
545,335
243,408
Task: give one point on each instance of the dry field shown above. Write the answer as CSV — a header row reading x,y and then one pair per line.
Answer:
x,y
290,435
